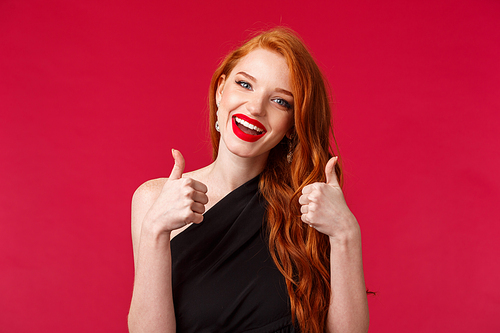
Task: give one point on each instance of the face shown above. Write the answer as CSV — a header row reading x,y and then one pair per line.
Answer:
x,y
256,104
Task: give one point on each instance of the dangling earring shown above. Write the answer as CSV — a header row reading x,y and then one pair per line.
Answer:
x,y
217,128
289,156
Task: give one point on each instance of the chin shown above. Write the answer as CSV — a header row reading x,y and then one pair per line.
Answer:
x,y
244,152
245,149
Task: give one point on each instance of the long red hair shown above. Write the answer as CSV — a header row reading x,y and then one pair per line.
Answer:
x,y
301,253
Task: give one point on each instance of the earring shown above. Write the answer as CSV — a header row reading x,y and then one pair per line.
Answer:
x,y
289,156
217,122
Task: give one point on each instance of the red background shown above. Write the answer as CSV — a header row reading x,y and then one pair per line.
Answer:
x,y
94,94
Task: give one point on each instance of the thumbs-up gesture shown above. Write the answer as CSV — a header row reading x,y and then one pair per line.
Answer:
x,y
181,200
323,205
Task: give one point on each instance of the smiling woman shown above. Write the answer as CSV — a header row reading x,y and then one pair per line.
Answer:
x,y
255,104
260,240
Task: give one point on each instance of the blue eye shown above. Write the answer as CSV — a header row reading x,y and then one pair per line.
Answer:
x,y
283,102
244,84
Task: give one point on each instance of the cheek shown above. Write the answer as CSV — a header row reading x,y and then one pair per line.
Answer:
x,y
231,96
284,123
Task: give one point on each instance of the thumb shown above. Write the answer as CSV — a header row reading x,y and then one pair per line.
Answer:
x,y
331,176
178,168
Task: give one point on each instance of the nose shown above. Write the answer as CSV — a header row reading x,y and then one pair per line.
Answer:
x,y
256,105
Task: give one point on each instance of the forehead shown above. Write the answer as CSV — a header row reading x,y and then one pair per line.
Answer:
x,y
265,65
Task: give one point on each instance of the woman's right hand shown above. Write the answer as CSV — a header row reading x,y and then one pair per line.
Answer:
x,y
181,200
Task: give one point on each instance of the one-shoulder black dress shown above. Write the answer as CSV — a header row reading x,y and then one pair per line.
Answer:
x,y
223,277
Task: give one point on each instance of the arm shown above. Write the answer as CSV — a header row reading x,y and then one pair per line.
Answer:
x,y
348,310
158,207
152,308
324,208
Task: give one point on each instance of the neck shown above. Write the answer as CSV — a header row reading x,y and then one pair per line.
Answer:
x,y
230,171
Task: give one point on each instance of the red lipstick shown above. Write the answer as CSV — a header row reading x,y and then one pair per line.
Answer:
x,y
245,136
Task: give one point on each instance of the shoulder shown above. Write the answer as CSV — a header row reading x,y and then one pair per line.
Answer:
x,y
148,192
142,200
144,197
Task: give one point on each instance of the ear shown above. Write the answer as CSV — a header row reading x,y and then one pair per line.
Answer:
x,y
220,88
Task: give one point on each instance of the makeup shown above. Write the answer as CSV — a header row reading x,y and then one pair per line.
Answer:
x,y
247,129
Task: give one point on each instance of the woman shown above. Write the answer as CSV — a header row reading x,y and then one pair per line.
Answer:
x,y
261,240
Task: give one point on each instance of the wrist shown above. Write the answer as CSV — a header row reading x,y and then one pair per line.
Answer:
x,y
347,238
154,231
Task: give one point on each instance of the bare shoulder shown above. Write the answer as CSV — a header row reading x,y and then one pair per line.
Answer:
x,y
143,199
148,191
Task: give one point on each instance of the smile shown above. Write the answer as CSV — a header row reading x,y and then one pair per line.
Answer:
x,y
247,129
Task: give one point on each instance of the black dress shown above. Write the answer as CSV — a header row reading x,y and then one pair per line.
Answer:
x,y
223,277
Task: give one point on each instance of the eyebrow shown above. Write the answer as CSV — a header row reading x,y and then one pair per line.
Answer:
x,y
286,92
247,75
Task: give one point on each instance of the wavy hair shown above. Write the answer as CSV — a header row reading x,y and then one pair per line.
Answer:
x,y
301,253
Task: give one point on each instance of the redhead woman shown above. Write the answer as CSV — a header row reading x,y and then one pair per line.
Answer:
x,y
261,240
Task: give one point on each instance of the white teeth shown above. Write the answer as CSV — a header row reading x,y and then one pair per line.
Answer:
x,y
247,124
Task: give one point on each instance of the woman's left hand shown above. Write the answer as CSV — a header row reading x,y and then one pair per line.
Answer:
x,y
324,207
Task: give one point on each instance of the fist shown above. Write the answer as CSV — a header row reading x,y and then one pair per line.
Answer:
x,y
323,205
181,200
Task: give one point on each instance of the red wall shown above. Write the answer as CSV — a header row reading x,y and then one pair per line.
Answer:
x,y
93,94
